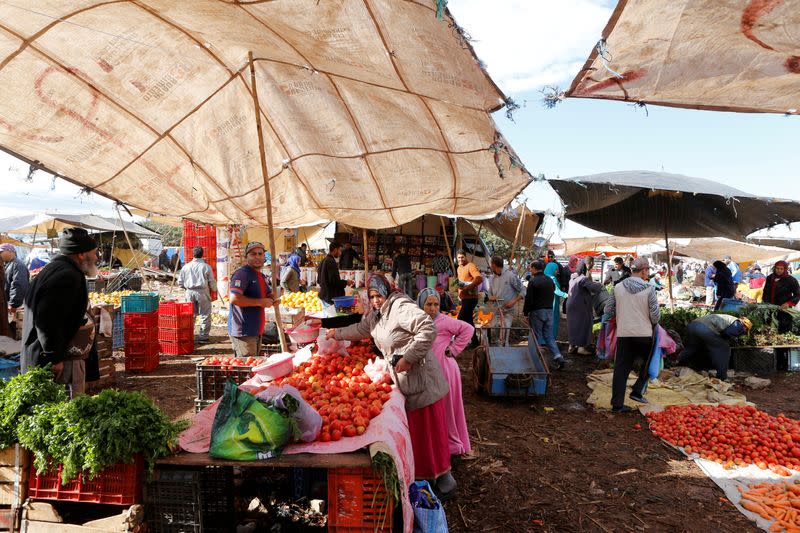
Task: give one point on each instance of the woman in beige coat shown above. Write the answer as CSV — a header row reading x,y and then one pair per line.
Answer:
x,y
404,334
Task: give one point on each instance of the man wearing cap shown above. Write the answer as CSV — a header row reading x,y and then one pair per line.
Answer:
x,y
708,338
635,305
250,295
197,278
17,277
56,329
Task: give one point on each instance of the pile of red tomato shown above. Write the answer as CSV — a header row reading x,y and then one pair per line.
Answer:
x,y
337,387
229,362
731,435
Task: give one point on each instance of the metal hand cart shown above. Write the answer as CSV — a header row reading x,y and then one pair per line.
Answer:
x,y
516,370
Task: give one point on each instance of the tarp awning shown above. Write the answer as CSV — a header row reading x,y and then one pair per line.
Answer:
x,y
374,111
723,55
42,222
791,244
711,249
608,245
505,225
646,204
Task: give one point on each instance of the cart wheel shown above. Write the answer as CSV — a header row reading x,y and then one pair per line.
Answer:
x,y
479,369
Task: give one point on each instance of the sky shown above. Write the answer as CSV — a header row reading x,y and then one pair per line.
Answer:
x,y
529,44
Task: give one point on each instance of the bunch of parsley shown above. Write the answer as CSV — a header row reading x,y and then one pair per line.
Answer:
x,y
20,395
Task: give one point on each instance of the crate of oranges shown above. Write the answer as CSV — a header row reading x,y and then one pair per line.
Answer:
x,y
307,300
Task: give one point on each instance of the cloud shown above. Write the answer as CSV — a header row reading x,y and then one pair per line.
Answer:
x,y
527,44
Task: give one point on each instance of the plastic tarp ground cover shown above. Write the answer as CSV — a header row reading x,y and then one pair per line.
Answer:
x,y
374,111
725,55
640,203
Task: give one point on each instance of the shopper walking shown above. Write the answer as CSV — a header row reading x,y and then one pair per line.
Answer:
x,y
331,285
579,309
56,329
551,271
401,273
635,306
17,277
469,279
781,288
539,306
250,295
723,281
198,279
290,274
505,291
452,336
708,283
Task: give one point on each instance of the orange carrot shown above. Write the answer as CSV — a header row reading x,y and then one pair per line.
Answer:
x,y
755,508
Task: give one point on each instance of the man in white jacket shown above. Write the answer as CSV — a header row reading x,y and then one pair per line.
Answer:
x,y
635,305
197,278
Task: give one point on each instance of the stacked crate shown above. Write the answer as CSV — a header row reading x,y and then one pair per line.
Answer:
x,y
105,352
205,236
176,328
140,316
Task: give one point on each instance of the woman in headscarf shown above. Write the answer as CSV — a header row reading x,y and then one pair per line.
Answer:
x,y
551,271
452,336
580,310
404,334
723,280
572,265
781,288
290,275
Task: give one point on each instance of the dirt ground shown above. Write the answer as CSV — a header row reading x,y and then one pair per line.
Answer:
x,y
550,464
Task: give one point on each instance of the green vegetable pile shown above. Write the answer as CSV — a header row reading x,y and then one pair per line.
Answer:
x,y
90,433
679,318
19,396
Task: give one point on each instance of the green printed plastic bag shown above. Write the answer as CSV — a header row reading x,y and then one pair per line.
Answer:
x,y
246,429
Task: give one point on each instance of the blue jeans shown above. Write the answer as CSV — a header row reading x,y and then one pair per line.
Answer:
x,y
541,321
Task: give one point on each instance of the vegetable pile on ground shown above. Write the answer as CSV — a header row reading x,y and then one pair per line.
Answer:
x,y
225,362
779,502
731,435
20,395
339,389
113,298
90,433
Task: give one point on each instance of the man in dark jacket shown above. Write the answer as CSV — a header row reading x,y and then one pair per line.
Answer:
x,y
17,277
539,310
55,329
348,257
330,284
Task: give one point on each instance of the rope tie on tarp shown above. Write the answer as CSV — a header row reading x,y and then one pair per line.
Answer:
x,y
499,147
606,57
551,96
511,106
440,6
731,201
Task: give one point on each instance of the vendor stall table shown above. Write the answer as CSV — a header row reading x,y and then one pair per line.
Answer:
x,y
356,497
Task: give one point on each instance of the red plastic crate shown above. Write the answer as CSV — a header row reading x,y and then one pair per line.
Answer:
x,y
140,320
140,335
184,347
357,501
176,315
175,335
119,484
175,309
142,357
195,229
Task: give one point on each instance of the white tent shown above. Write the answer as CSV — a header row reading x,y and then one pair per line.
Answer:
x,y
42,223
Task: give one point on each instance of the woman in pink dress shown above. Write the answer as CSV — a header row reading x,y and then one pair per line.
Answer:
x,y
452,336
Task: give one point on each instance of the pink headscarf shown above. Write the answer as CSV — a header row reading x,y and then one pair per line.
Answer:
x,y
573,262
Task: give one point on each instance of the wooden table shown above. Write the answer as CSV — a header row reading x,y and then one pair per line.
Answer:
x,y
357,459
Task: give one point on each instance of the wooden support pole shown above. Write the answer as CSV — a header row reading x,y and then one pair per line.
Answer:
x,y
145,281
669,260
366,257
517,234
447,244
268,198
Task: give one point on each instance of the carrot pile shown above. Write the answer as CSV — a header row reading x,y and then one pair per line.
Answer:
x,y
775,501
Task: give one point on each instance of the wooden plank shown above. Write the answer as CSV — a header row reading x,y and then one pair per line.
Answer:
x,y
33,526
7,492
8,457
40,512
7,519
358,459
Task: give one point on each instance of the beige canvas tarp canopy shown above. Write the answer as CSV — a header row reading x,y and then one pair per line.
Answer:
x,y
725,55
374,111
711,249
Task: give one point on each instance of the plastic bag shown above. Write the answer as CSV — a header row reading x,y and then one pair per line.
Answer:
x,y
325,346
378,370
246,429
429,516
309,421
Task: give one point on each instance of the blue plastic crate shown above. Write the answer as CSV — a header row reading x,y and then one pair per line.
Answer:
x,y
140,302
118,331
9,367
731,304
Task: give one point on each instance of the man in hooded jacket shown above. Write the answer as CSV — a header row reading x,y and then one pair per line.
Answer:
x,y
635,305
